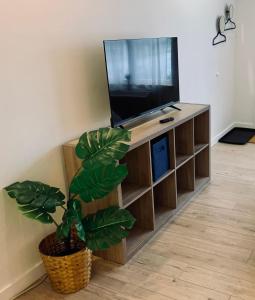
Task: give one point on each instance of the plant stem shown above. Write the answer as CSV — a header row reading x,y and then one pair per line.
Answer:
x,y
55,222
73,196
63,207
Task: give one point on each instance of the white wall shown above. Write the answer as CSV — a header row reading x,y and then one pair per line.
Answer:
x,y
53,88
245,63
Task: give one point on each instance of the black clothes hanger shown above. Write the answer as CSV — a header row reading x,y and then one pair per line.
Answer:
x,y
233,25
221,29
229,16
219,42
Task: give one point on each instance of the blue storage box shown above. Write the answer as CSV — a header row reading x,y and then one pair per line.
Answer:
x,y
160,156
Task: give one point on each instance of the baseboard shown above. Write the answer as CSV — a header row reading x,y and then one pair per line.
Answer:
x,y
244,125
22,282
216,138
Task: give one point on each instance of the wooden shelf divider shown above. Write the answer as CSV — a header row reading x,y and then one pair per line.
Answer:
x,y
132,192
155,203
200,147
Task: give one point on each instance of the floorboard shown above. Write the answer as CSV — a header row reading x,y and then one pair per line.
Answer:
x,y
208,252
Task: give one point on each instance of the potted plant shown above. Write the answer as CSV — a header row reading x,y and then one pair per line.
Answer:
x,y
67,252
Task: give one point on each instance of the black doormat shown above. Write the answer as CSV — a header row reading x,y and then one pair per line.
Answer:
x,y
238,136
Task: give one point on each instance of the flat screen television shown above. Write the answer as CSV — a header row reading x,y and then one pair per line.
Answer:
x,y
143,76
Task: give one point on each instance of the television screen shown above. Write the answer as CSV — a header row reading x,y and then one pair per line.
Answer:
x,y
142,76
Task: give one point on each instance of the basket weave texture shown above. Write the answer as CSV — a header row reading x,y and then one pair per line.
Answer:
x,y
67,273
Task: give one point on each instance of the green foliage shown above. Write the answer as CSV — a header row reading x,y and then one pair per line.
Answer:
x,y
97,180
100,173
103,146
36,200
107,227
72,217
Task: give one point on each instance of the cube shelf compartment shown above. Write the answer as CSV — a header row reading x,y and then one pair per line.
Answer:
x,y
171,154
139,174
155,203
185,181
201,131
202,170
184,142
164,199
144,224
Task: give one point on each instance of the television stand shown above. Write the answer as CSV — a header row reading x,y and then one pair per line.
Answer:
x,y
154,203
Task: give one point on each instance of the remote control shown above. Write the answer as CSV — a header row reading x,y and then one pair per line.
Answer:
x,y
166,120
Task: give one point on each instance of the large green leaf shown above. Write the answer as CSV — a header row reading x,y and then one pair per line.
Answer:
x,y
36,200
72,217
96,181
104,145
107,227
37,214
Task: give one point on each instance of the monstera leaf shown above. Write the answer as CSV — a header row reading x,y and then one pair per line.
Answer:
x,y
104,145
72,217
97,181
107,227
36,200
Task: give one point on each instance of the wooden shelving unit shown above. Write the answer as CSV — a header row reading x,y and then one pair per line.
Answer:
x,y
155,203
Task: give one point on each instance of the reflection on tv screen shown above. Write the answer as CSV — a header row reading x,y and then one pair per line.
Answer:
x,y
142,76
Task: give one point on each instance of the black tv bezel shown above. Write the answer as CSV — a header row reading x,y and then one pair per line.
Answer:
x,y
135,117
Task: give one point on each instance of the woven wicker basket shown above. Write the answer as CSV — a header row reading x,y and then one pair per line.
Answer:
x,y
67,273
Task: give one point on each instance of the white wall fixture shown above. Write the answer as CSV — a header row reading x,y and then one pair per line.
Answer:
x,y
221,28
229,12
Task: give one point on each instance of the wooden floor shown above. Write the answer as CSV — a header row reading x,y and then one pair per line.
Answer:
x,y
208,253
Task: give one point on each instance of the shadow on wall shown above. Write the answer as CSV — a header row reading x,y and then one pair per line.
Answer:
x,y
81,89
79,103
20,236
